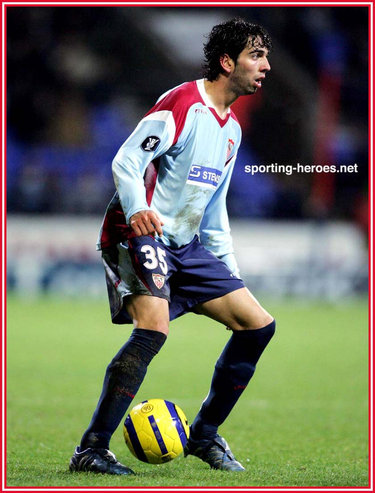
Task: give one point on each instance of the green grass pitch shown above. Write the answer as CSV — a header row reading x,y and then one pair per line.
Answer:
x,y
302,421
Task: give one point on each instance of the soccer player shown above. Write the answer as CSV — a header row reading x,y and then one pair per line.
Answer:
x,y
167,248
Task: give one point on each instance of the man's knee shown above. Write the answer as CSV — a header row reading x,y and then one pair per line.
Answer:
x,y
148,322
269,329
157,325
254,322
149,312
268,323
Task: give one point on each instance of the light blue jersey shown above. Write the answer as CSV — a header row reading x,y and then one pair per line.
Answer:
x,y
177,162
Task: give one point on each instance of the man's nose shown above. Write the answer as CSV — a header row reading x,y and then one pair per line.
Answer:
x,y
266,67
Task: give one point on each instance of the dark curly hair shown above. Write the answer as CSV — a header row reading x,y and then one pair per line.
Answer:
x,y
231,37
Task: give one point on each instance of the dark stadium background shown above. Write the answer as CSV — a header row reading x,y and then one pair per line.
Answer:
x,y
79,79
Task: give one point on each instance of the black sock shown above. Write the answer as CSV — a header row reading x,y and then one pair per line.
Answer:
x,y
233,370
122,380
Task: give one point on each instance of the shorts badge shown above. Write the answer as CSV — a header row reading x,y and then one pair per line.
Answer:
x,y
158,280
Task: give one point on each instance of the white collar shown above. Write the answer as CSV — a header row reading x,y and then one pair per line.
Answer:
x,y
206,99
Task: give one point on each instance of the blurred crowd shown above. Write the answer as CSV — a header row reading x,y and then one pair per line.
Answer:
x,y
80,78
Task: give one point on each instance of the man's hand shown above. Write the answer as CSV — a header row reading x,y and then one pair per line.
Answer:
x,y
146,223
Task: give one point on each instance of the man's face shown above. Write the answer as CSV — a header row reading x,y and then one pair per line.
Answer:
x,y
250,68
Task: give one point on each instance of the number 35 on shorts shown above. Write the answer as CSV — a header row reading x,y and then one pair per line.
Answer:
x,y
155,258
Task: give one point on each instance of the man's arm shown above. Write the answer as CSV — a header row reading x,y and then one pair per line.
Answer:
x,y
214,229
152,137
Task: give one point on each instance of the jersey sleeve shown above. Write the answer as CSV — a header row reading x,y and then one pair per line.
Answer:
x,y
152,137
214,229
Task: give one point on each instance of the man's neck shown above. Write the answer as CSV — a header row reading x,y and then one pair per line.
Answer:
x,y
220,95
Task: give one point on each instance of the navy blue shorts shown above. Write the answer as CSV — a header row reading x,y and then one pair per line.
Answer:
x,y
184,276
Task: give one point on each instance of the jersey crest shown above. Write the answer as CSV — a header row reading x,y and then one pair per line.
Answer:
x,y
229,148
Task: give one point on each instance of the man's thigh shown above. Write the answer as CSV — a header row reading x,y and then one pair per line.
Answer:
x,y
238,310
137,276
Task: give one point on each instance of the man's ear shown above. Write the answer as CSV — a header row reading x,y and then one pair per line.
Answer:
x,y
227,64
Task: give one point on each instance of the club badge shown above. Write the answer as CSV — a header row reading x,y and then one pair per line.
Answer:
x,y
229,148
158,280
